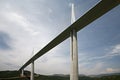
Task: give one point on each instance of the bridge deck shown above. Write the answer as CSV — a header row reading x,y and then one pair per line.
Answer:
x,y
100,9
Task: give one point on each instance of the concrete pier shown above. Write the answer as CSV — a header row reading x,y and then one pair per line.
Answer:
x,y
32,71
74,56
74,50
22,73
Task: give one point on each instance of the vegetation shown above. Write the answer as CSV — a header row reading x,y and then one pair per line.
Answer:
x,y
15,75
114,77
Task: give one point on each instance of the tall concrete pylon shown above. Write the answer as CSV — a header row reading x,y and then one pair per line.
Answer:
x,y
32,69
72,13
74,49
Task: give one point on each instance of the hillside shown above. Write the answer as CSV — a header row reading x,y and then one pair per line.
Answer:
x,y
14,75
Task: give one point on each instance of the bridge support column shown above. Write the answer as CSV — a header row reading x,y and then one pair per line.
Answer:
x,y
22,73
32,71
74,56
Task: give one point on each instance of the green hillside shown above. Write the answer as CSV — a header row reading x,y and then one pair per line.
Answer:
x,y
15,75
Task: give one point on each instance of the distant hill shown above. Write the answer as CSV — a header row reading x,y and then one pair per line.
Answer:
x,y
101,75
9,74
13,75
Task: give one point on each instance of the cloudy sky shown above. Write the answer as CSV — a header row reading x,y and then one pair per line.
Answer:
x,y
31,24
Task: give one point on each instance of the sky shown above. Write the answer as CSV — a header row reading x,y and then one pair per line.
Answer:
x,y
29,25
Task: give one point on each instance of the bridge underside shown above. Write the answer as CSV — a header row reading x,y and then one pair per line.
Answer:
x,y
97,11
100,9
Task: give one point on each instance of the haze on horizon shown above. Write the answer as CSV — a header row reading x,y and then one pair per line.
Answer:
x,y
31,24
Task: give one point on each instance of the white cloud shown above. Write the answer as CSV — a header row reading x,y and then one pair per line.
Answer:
x,y
50,10
115,51
98,66
52,63
22,21
94,68
109,70
112,70
21,31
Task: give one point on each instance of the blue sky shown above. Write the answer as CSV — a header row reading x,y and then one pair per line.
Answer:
x,y
31,24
